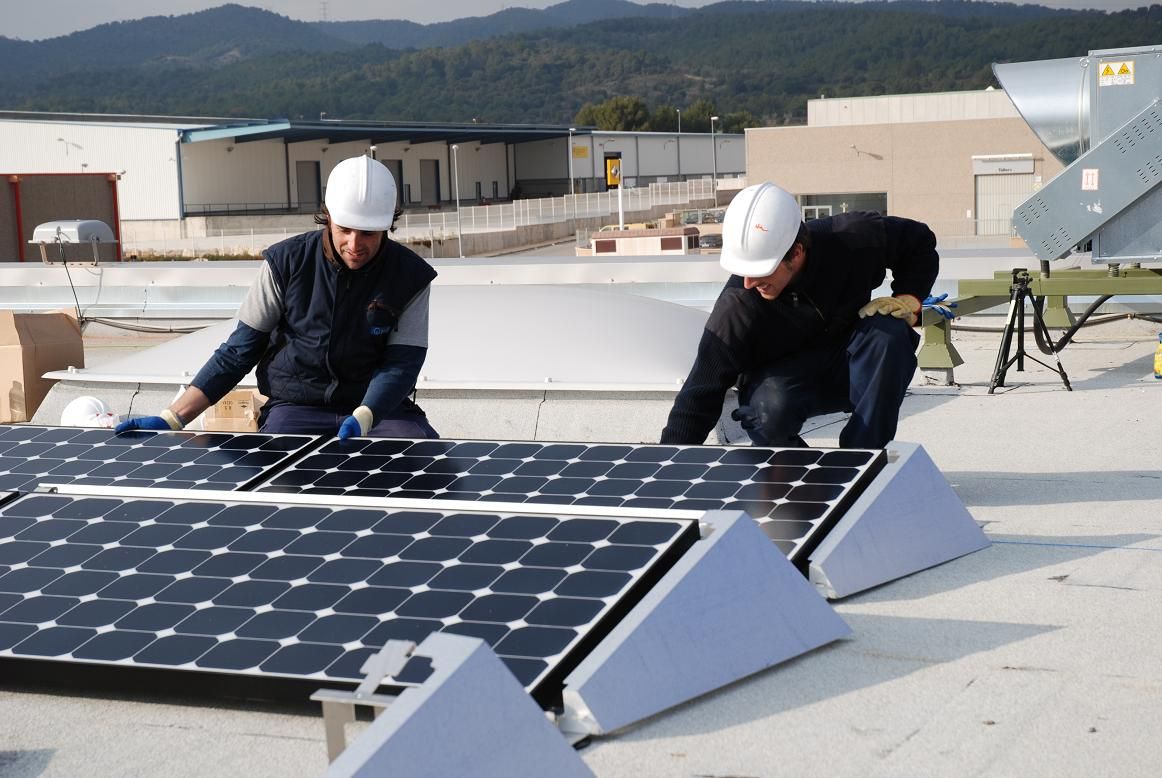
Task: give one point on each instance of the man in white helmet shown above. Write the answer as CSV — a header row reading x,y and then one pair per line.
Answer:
x,y
795,327
336,323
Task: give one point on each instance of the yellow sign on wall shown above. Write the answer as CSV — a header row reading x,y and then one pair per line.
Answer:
x,y
613,172
580,152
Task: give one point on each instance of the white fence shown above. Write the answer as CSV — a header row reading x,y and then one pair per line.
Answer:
x,y
546,210
443,224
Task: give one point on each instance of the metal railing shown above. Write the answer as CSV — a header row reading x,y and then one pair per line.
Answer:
x,y
434,225
248,209
546,210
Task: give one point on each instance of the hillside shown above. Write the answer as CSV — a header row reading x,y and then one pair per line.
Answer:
x,y
750,62
398,34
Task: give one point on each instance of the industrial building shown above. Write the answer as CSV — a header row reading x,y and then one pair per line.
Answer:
x,y
180,176
958,161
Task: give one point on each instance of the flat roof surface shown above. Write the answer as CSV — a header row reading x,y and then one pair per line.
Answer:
x,y
1037,656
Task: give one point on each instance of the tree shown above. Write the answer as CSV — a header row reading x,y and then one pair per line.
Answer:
x,y
696,118
664,119
628,114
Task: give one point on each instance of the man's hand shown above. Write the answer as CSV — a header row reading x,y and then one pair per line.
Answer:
x,y
938,305
166,420
901,306
357,424
746,417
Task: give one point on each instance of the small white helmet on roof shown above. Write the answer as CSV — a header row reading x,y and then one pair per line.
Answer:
x,y
361,195
758,230
86,411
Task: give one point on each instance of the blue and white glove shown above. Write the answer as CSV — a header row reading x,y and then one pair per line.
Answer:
x,y
358,424
938,305
166,420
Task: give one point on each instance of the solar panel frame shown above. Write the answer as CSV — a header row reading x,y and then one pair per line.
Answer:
x,y
34,454
796,495
144,597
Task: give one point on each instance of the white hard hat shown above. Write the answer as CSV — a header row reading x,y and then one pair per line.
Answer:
x,y
86,411
759,228
361,195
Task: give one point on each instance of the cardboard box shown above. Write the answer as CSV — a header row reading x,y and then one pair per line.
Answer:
x,y
32,344
236,412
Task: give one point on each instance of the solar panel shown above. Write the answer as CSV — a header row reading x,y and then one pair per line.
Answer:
x,y
796,495
30,455
241,584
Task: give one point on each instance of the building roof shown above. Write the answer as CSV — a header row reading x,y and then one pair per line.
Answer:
x,y
335,131
1033,657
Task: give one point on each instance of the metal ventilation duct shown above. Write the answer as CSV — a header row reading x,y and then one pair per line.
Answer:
x,y
1100,115
1052,98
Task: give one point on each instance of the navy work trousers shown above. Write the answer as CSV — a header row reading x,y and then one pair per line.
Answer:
x,y
866,376
288,418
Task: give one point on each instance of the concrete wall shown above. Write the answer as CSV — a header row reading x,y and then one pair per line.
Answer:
x,y
911,108
925,169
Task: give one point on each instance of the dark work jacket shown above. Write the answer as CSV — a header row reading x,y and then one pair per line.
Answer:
x,y
849,257
336,321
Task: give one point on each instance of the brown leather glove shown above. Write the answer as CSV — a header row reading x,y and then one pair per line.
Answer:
x,y
902,306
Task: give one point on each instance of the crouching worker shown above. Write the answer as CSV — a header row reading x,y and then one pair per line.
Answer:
x,y
336,323
795,326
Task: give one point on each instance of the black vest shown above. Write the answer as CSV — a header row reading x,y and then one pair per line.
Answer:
x,y
335,322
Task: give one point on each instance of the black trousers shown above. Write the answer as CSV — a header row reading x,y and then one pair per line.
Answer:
x,y
289,418
867,375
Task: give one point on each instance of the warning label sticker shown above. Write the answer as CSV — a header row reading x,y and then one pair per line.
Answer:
x,y
1116,73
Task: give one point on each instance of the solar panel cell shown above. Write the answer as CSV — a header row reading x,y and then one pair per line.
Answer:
x,y
31,454
308,590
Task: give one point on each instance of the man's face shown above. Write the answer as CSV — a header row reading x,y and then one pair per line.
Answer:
x,y
355,247
771,286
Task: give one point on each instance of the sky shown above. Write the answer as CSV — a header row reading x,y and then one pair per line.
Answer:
x,y
39,19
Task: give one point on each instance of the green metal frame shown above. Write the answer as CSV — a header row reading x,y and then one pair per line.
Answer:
x,y
977,295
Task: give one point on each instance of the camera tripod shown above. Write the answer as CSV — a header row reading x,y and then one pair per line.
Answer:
x,y
1018,293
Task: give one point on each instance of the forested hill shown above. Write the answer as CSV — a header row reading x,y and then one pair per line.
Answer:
x,y
750,62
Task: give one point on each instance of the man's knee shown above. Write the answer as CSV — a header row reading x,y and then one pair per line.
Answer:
x,y
404,426
885,339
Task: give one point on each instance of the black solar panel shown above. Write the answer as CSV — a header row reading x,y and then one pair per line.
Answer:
x,y
30,455
308,591
796,495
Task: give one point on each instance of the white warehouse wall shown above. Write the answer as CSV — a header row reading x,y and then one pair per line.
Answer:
x,y
225,172
483,163
645,156
147,154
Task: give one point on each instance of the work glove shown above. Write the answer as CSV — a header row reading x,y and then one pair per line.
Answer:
x,y
902,306
357,424
166,420
938,305
745,416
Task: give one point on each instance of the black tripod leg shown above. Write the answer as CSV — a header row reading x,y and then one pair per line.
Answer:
x,y
1020,354
1003,360
1039,322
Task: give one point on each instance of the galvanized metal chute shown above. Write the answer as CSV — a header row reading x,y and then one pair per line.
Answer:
x,y
1100,115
